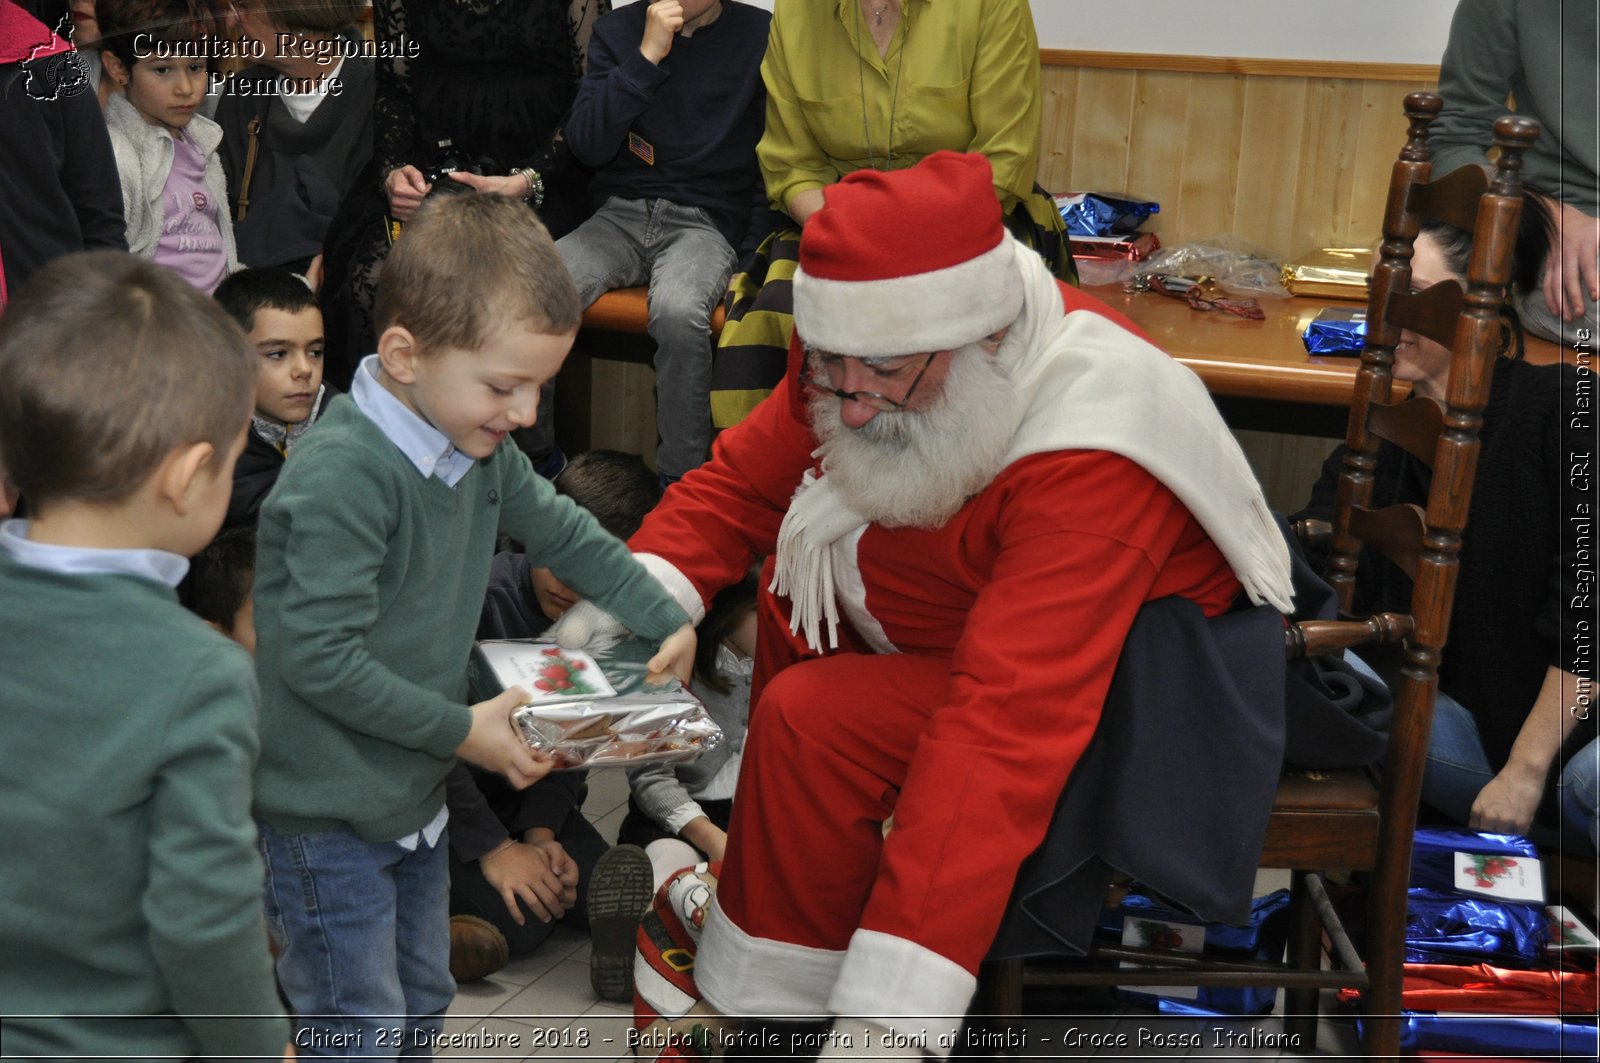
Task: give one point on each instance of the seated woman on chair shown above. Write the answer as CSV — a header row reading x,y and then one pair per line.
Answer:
x,y
880,84
1508,710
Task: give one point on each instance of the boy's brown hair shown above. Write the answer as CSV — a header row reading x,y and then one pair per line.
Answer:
x,y
108,363
220,578
616,487
466,262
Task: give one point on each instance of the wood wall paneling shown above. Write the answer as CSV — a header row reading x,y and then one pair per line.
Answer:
x,y
1161,105
1228,64
1270,161
1210,159
1287,163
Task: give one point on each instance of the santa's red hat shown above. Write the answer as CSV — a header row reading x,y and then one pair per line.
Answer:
x,y
909,261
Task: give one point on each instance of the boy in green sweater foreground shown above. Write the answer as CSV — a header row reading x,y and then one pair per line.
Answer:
x,y
373,559
130,900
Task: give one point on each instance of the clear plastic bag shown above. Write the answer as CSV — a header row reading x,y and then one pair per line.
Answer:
x,y
1237,266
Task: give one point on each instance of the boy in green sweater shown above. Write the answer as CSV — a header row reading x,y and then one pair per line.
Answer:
x,y
373,558
130,900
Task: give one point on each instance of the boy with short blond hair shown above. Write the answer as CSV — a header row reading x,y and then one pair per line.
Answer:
x,y
373,558
132,916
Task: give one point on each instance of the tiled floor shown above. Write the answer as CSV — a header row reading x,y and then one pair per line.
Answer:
x,y
541,1007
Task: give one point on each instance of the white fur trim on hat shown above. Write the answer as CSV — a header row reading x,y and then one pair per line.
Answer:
x,y
939,310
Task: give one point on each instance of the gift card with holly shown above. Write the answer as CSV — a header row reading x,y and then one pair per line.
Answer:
x,y
1505,878
1143,932
547,673
1567,931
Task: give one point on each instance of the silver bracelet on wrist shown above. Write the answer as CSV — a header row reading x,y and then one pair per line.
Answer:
x,y
535,183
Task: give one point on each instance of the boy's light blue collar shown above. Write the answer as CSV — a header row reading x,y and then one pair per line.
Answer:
x,y
423,445
163,566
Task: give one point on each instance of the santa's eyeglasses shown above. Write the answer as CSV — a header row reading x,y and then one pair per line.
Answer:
x,y
832,365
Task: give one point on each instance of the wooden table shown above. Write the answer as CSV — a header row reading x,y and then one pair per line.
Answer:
x,y
1259,371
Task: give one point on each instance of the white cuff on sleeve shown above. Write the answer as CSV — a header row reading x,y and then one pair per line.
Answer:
x,y
682,816
742,975
895,982
676,584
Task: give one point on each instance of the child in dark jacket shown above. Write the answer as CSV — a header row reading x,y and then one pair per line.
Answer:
x,y
520,861
280,315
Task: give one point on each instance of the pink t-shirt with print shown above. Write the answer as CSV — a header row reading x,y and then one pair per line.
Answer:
x,y
191,242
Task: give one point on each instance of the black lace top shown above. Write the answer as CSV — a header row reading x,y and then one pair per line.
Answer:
x,y
495,77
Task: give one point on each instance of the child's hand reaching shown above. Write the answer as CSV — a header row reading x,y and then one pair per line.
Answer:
x,y
706,836
676,656
493,742
530,873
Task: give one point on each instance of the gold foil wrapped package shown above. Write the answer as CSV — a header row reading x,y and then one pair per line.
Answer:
x,y
1330,273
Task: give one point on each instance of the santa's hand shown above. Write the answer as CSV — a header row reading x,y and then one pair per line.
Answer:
x,y
587,626
674,658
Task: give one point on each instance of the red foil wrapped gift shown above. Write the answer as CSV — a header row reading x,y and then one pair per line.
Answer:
x,y
1135,247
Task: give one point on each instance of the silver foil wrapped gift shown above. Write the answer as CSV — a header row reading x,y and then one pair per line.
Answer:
x,y
622,722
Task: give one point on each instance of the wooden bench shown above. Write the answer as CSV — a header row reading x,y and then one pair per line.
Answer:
x,y
626,311
612,329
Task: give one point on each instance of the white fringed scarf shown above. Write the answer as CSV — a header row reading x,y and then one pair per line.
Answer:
x,y
1091,385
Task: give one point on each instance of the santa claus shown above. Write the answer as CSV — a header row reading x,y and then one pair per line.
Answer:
x,y
969,482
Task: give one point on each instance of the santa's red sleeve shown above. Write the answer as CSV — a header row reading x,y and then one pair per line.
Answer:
x,y
719,518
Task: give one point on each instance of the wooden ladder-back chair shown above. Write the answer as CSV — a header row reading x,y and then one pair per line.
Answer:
x,y
1362,820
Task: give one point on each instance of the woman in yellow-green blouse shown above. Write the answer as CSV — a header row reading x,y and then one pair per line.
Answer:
x,y
853,84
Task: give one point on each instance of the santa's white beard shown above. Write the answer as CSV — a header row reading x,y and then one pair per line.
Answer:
x,y
916,468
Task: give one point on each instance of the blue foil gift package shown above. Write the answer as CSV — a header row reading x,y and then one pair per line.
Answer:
x,y
1143,922
1473,898
1102,232
1480,978
1097,214
1336,330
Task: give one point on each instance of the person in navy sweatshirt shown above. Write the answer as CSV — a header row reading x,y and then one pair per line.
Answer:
x,y
668,115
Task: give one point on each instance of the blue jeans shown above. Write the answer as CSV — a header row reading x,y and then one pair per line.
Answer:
x,y
1458,769
364,929
686,262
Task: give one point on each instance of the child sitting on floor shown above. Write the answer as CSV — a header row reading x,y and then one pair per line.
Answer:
x,y
508,845
174,194
373,559
678,813
280,315
132,926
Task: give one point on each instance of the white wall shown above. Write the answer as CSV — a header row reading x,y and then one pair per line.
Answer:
x,y
1372,31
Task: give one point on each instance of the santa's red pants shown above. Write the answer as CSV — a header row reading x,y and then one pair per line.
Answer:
x,y
817,911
